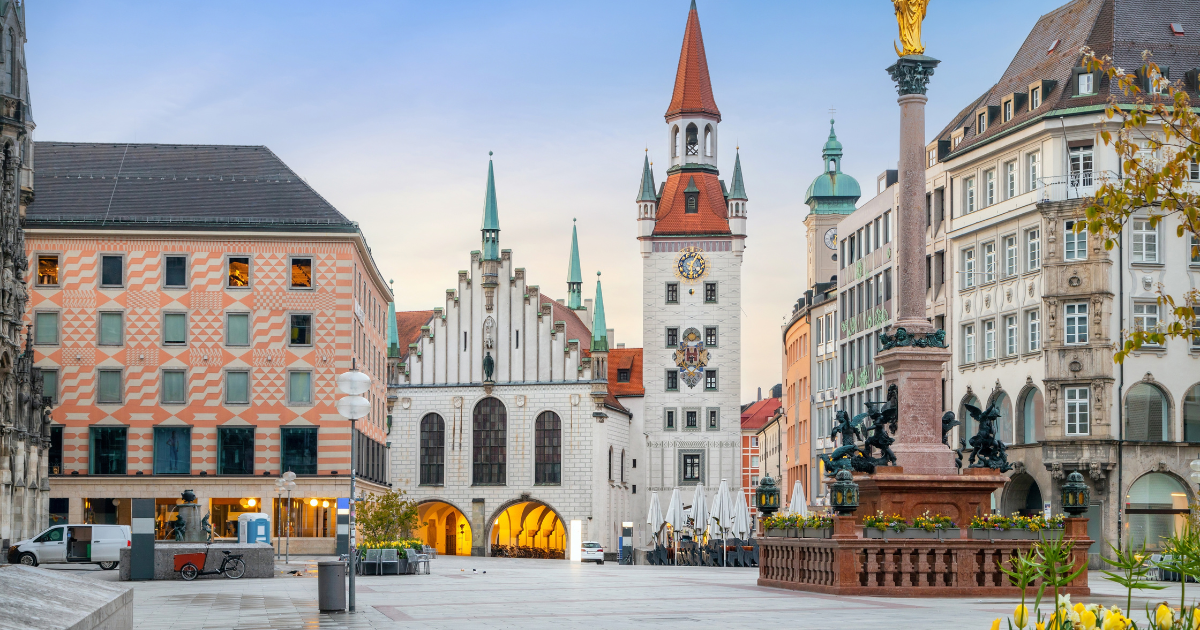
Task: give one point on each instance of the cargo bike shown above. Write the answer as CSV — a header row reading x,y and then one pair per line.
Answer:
x,y
191,565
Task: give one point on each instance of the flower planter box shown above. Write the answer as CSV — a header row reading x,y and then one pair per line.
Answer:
x,y
818,532
775,532
1014,534
794,532
912,533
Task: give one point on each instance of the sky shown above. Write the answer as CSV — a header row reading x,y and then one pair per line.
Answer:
x,y
389,109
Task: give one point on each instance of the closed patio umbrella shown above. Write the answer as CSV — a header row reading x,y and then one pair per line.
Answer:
x,y
654,518
676,516
720,513
799,504
699,512
741,518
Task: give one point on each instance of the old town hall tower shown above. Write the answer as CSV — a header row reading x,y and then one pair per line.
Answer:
x,y
692,232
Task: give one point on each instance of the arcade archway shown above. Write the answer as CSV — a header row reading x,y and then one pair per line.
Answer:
x,y
528,529
446,528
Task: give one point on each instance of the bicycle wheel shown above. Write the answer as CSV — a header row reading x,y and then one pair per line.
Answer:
x,y
189,572
235,569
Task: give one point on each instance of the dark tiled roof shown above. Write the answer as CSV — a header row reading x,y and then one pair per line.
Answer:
x,y
152,185
575,327
1122,28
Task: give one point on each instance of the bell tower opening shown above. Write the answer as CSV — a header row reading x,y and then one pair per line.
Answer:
x,y
693,139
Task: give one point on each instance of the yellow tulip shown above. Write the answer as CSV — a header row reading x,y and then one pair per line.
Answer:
x,y
1163,617
1021,616
996,624
1088,619
1115,621
1041,626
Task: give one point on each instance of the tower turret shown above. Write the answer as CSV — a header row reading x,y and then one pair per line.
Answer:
x,y
647,202
737,199
574,274
491,240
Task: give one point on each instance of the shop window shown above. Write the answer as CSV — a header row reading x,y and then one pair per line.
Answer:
x,y
172,450
1156,509
108,451
225,513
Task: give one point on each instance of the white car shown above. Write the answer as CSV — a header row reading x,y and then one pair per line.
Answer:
x,y
99,544
591,551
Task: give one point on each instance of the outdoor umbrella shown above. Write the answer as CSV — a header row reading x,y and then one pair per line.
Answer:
x,y
799,504
676,517
741,519
720,513
654,518
699,512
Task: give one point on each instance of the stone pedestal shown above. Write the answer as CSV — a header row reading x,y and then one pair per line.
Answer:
x,y
917,375
960,497
193,530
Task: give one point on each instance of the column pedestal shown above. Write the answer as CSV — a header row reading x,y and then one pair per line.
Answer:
x,y
917,375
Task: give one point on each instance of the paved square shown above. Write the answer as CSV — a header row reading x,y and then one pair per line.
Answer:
x,y
551,593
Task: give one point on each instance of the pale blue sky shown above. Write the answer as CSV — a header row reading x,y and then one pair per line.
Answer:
x,y
389,109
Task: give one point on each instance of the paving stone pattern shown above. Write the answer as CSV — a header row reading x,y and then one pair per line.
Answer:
x,y
516,593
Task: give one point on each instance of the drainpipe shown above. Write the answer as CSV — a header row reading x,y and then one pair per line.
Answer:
x,y
1120,381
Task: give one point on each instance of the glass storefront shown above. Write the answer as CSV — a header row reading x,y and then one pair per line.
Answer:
x,y
1155,508
299,449
235,451
305,518
225,513
108,451
106,511
172,450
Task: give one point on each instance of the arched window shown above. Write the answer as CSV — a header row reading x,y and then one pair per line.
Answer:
x,y
969,426
1191,415
1146,414
708,141
622,465
610,477
675,141
489,422
693,139
1004,424
548,449
1157,507
433,450
1031,417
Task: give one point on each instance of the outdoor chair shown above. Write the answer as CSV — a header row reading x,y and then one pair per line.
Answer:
x,y
429,551
371,559
392,557
754,552
663,559
415,560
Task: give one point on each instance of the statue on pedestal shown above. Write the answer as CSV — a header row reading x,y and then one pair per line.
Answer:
x,y
987,450
909,15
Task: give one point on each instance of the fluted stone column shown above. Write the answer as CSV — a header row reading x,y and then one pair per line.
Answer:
x,y
914,368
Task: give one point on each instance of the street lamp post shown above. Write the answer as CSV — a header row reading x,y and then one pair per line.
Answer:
x,y
352,407
286,483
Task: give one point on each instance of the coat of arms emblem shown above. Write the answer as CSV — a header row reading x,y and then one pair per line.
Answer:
x,y
691,356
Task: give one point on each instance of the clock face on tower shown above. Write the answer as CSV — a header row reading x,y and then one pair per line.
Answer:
x,y
691,264
831,238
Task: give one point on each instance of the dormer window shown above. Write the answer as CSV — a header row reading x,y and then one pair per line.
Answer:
x,y
691,204
1087,84
957,140
1008,110
1035,98
980,123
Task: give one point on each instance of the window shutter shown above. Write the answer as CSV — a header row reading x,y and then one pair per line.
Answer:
x,y
1097,77
1190,79
1073,89
1142,75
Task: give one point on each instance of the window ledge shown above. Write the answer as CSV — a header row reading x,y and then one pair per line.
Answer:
x,y
1150,265
432,485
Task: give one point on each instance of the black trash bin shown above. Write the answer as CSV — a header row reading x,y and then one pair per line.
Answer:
x,y
331,585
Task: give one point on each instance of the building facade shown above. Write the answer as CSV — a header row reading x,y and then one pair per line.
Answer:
x,y
504,428
797,402
1038,308
24,425
692,233
760,439
191,307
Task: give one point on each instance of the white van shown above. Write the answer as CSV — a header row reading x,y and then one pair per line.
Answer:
x,y
100,544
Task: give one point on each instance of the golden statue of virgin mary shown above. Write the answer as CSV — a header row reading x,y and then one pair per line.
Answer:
x,y
909,14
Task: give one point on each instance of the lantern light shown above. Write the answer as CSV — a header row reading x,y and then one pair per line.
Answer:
x,y
766,497
313,503
325,503
843,493
252,502
1075,495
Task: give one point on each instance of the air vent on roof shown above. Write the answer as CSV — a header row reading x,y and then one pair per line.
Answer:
x,y
1052,46
1177,28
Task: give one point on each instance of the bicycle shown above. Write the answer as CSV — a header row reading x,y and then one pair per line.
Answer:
x,y
231,564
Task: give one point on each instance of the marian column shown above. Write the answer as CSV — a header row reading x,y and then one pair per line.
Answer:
x,y
913,353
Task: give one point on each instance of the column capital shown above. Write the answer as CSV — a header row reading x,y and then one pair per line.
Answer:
x,y
911,73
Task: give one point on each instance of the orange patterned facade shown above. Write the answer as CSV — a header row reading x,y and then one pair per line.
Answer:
x,y
347,303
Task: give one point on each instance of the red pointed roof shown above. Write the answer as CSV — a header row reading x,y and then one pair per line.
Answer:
x,y
693,89
758,413
711,216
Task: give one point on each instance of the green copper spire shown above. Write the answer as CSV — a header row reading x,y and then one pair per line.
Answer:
x,y
647,190
691,187
491,218
574,274
739,189
599,329
393,338
832,192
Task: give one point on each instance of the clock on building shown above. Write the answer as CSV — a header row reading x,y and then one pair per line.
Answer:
x,y
831,238
691,264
